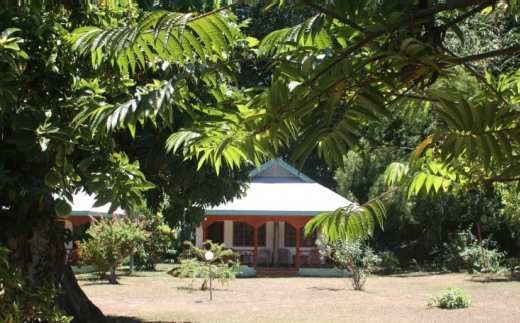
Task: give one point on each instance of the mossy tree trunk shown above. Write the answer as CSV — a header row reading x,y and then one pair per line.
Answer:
x,y
38,249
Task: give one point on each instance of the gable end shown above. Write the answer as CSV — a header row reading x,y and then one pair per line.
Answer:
x,y
279,168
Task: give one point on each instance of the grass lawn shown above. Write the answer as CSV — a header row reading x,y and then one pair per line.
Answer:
x,y
159,297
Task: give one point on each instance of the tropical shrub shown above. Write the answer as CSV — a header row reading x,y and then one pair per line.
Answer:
x,y
355,259
389,261
463,252
19,303
159,243
451,298
111,242
193,264
513,264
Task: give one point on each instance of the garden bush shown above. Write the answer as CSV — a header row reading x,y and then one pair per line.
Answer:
x,y
463,252
451,298
160,242
355,258
111,242
389,261
513,264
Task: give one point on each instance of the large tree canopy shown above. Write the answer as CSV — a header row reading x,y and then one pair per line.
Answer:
x,y
357,61
350,64
86,88
57,103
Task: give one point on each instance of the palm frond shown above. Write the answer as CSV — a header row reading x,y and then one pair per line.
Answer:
x,y
310,32
180,35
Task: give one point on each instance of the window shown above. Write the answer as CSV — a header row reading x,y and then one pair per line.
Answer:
x,y
261,236
310,241
243,234
216,232
289,235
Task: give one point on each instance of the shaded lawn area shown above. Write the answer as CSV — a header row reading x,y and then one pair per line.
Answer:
x,y
159,297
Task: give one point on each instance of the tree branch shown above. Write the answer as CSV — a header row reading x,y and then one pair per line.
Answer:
x,y
334,15
446,6
420,98
233,4
254,59
501,180
466,15
477,57
382,195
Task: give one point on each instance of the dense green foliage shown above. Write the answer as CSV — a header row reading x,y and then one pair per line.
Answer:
x,y
451,298
111,241
388,262
464,252
159,243
353,64
21,303
417,225
57,102
92,92
55,126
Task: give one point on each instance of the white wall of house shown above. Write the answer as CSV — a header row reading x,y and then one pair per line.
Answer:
x,y
228,234
282,236
198,236
269,228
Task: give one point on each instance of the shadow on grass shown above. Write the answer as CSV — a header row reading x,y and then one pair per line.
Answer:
x,y
94,283
328,289
125,319
88,279
91,280
409,274
494,278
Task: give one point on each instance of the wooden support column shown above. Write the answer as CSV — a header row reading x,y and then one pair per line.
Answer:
x,y
297,256
255,250
204,231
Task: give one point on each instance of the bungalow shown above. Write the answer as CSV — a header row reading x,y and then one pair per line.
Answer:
x,y
266,226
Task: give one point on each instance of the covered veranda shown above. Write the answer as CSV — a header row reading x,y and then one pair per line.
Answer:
x,y
266,240
265,228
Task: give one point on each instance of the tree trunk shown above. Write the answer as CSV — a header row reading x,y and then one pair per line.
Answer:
x,y
39,251
131,271
112,279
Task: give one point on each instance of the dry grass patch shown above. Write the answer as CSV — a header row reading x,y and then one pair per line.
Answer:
x,y
159,297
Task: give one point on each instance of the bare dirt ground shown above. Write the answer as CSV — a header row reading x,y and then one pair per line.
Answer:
x,y
159,297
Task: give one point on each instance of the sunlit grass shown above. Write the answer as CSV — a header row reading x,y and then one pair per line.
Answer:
x,y
159,297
